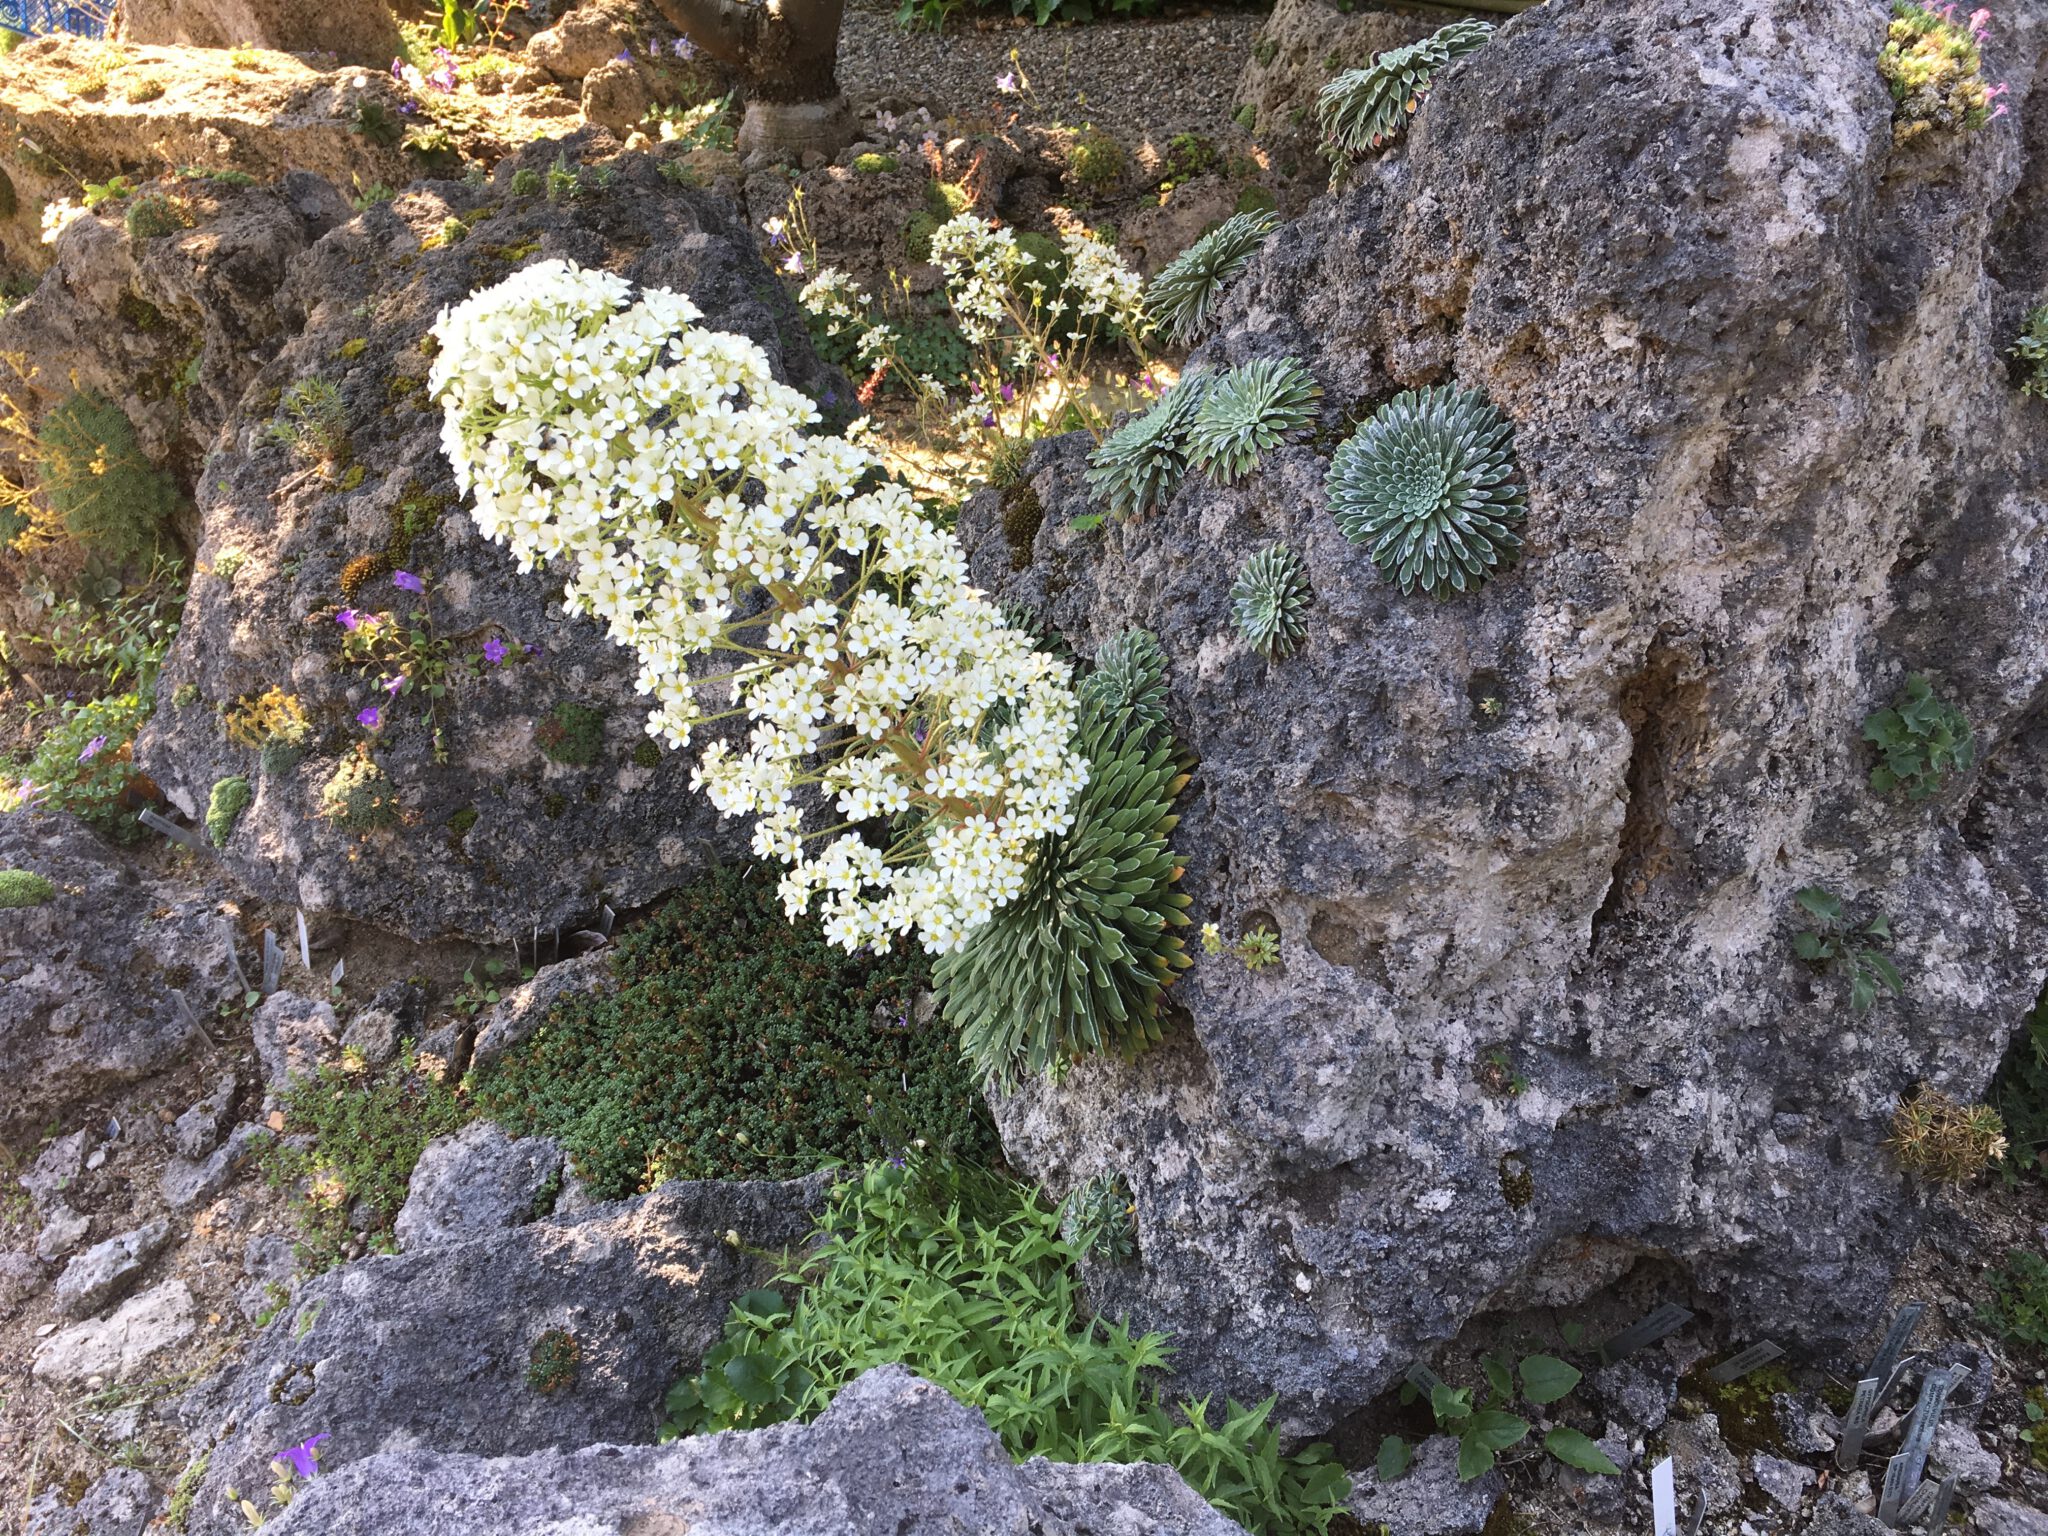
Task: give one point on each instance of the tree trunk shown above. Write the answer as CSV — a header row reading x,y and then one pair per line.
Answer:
x,y
787,53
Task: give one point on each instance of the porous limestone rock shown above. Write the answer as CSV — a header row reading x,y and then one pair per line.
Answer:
x,y
294,1035
431,1348
478,1180
892,1453
1429,1499
115,1348
351,31
118,1504
105,1272
2002,1517
87,978
1753,354
546,795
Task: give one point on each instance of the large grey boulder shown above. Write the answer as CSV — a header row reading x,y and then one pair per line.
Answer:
x,y
892,1454
87,979
431,1349
1753,356
543,794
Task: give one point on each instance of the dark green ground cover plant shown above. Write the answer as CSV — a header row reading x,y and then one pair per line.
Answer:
x,y
2020,1095
1921,739
965,1278
1484,1427
2018,1307
737,1044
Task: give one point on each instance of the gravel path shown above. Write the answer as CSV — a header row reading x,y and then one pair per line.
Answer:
x,y
1138,79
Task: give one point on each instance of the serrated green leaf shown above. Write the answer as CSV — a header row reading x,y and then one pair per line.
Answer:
x,y
1497,1430
1475,1457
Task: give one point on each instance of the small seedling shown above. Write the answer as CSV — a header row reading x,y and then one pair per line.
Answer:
x,y
1834,943
1484,1428
1920,739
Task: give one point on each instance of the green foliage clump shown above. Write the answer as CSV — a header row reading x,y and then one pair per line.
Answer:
x,y
1248,411
1096,162
350,1143
1364,109
1268,600
1485,1428
224,806
1097,1220
2032,351
1920,739
1834,941
1138,466
1182,300
85,763
1129,678
154,216
312,421
23,888
1935,70
1428,482
571,734
874,164
918,230
98,481
965,1278
1076,963
1188,155
2018,1308
552,1363
360,797
376,123
526,182
736,1044
2020,1094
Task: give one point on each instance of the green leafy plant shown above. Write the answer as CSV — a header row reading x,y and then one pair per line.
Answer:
x,y
552,1363
113,189
1138,465
85,763
1256,949
1182,300
1428,483
1188,155
1096,162
2035,1436
1268,600
1934,66
360,796
1485,1428
224,806
1129,677
23,888
526,182
2018,1306
1076,963
350,1142
2032,350
1940,1139
2020,1094
873,164
1920,739
99,482
376,123
564,182
1363,109
735,1044
1833,941
312,421
965,1278
572,734
1248,411
1098,1219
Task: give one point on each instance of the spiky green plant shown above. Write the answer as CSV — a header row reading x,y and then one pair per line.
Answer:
x,y
1075,964
96,477
1268,599
1138,465
1182,299
1129,676
1428,483
312,420
1096,1219
1363,109
1248,410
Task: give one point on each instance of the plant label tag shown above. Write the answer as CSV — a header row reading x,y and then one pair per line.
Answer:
x,y
1898,1476
1423,1379
1920,1427
305,944
1895,1341
1667,1319
1856,1424
1664,1499
1918,1507
1944,1496
1741,1365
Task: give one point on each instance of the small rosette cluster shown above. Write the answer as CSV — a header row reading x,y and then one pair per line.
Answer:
x,y
1428,484
1138,466
1247,411
1269,600
1363,109
1182,300
669,477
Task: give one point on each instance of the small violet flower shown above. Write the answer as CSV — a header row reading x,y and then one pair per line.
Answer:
x,y
1008,392
685,49
303,1458
92,749
1006,82
346,618
370,718
394,685
405,581
494,650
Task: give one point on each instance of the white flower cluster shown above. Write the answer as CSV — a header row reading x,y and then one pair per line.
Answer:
x,y
1100,282
671,473
979,260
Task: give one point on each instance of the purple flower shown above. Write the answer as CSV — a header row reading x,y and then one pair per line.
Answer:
x,y
370,718
988,420
530,648
1008,392
92,749
394,685
794,262
494,650
346,618
304,1457
405,581
685,49
443,79
398,70
625,55
1006,82
27,791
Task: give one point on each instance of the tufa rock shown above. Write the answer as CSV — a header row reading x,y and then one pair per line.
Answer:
x,y
2002,1517
62,1230
551,797
21,1276
104,1273
1752,352
197,1132
892,1453
1784,1482
432,1347
116,1347
515,1016
478,1180
185,1184
118,1504
1304,45
350,31
56,1169
294,1035
1429,1499
1959,1454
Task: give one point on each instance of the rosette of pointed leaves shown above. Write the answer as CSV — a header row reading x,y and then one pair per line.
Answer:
x,y
1363,109
1138,465
1248,410
1428,483
1182,299
1129,676
1268,600
1075,964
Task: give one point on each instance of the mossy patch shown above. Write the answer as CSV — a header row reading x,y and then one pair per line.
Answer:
x,y
24,888
224,807
1748,1419
572,734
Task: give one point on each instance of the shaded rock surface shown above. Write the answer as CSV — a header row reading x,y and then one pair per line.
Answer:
x,y
294,1035
1429,1499
1752,353
86,979
118,1504
106,1272
1304,45
551,797
892,1453
431,1347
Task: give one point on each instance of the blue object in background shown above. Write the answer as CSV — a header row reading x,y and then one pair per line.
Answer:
x,y
81,18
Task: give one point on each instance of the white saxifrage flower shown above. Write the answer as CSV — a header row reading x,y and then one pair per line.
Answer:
x,y
671,476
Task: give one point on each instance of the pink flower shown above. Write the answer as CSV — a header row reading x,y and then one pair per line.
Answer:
x,y
1006,82
1008,392
394,685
